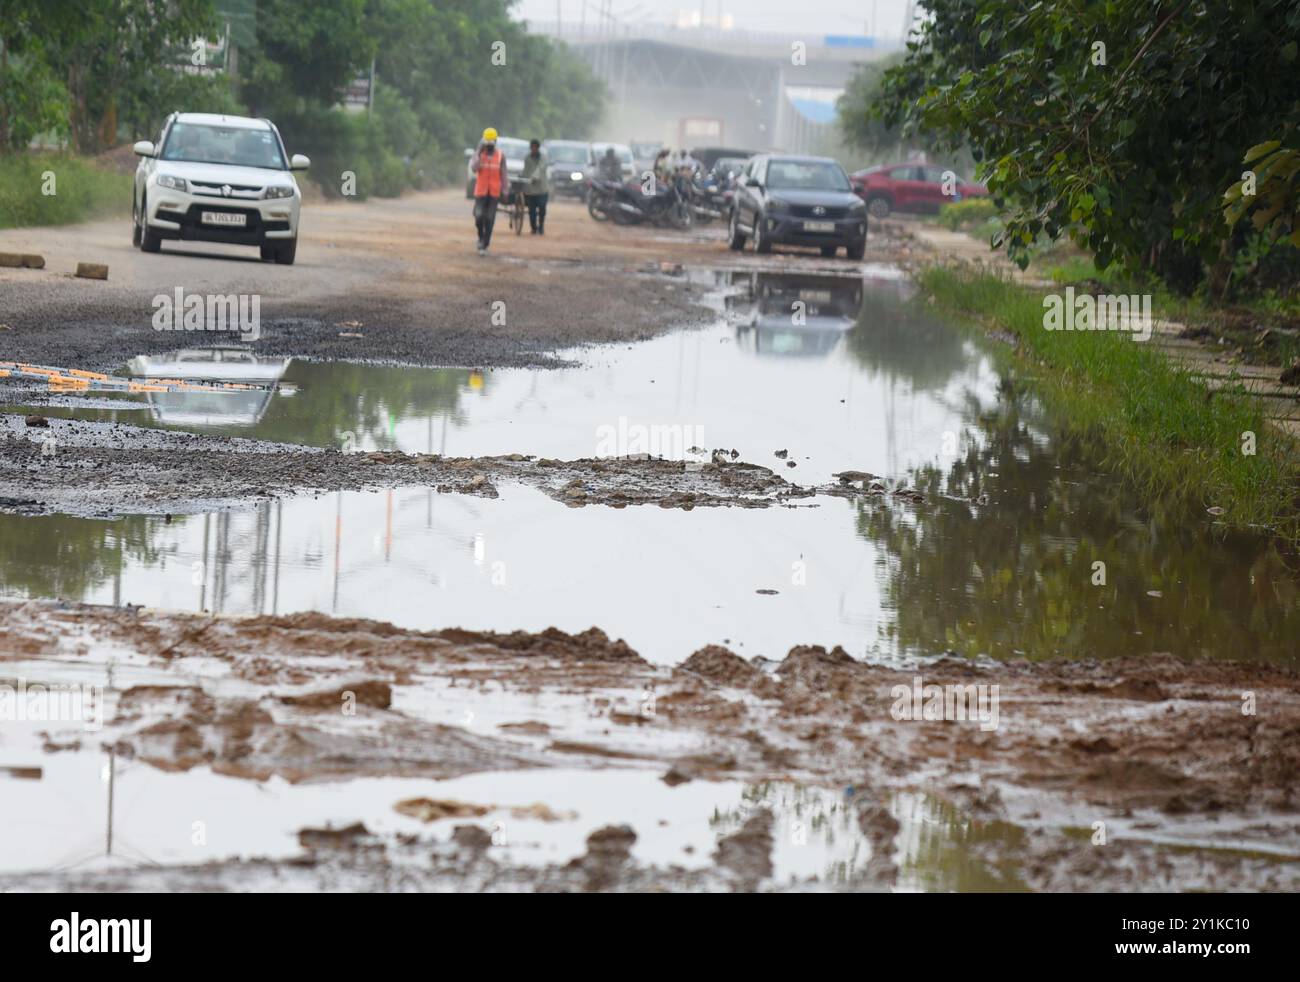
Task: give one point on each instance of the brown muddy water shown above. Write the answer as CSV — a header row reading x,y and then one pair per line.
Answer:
x,y
66,820
1000,559
85,807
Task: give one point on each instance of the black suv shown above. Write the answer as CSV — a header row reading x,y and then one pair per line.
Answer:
x,y
804,201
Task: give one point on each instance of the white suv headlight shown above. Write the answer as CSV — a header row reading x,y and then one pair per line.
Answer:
x,y
278,191
175,183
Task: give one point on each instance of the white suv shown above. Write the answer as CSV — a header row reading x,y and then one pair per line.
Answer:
x,y
218,179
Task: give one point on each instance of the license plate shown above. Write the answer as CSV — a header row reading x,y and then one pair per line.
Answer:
x,y
224,218
819,226
816,296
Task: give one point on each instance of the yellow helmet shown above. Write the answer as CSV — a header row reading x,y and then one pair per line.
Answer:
x,y
489,135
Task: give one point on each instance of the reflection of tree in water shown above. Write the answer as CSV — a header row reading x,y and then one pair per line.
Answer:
x,y
829,823
60,556
1015,576
941,848
897,337
336,397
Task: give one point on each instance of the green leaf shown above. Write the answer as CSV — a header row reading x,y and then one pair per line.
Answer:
x,y
1259,150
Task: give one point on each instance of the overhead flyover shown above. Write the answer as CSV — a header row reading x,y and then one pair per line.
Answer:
x,y
725,88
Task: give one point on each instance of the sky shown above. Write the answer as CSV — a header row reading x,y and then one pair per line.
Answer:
x,y
820,16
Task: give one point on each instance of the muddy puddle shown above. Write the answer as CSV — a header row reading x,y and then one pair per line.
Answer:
x,y
786,368
999,557
87,809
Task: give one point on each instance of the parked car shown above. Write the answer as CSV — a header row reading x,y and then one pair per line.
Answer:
x,y
213,178
727,170
515,151
910,188
626,162
644,155
796,200
708,156
566,162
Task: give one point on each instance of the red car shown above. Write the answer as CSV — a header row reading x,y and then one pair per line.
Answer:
x,y
909,187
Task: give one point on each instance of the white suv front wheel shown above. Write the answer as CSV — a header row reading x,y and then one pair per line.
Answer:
x,y
283,253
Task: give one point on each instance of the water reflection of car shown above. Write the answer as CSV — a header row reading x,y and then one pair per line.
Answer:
x,y
795,315
215,407
565,162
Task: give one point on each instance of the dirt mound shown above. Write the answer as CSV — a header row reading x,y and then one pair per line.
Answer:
x,y
721,665
592,644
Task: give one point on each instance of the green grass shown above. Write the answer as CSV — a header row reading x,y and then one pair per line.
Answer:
x,y
81,190
1158,428
1242,328
968,213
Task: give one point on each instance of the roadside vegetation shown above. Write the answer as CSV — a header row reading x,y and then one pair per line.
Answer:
x,y
84,190
1160,429
1161,140
91,82
972,215
1131,128
1129,148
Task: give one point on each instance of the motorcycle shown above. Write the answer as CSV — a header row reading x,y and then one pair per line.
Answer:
x,y
707,199
630,204
601,195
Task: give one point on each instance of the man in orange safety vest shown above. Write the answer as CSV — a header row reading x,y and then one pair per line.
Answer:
x,y
491,183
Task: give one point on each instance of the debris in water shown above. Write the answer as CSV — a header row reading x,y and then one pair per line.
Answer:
x,y
433,810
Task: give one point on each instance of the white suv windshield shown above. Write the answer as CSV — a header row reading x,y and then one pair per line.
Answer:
x,y
567,155
202,143
513,149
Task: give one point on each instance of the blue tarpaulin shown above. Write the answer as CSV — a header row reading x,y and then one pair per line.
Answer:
x,y
849,41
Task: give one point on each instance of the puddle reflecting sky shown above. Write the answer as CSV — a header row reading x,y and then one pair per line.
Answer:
x,y
64,817
839,372
999,560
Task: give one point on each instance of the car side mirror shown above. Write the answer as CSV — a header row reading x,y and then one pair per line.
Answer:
x,y
144,148
299,162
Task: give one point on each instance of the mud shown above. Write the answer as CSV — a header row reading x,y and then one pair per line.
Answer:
x,y
110,469
387,280
1191,791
